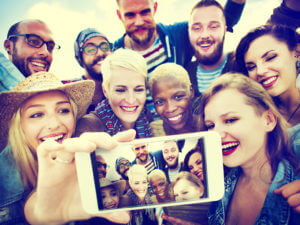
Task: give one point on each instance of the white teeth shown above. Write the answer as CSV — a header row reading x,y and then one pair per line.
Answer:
x,y
129,109
175,118
230,145
268,81
38,64
55,138
205,45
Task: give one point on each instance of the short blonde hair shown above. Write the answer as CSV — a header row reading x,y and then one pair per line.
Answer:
x,y
136,169
169,70
125,58
157,173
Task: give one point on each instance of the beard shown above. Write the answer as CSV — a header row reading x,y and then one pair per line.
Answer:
x,y
123,175
144,39
22,63
213,58
143,160
92,72
174,166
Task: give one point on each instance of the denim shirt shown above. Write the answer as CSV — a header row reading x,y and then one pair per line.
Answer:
x,y
12,192
10,76
275,209
295,140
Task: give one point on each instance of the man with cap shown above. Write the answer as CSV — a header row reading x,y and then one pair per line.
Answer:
x,y
91,47
122,167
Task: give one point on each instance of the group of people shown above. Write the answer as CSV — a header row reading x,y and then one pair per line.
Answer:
x,y
161,182
145,85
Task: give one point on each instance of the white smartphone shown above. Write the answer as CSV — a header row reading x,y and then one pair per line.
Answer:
x,y
160,171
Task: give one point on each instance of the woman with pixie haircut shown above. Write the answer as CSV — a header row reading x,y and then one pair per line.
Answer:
x,y
268,55
172,95
124,86
255,144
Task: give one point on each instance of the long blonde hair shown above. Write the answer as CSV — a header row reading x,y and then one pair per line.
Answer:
x,y
26,158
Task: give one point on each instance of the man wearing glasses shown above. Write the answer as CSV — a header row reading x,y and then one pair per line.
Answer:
x,y
91,48
122,167
101,166
30,46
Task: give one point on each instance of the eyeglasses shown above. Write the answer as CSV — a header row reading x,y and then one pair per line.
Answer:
x,y
92,49
122,165
36,41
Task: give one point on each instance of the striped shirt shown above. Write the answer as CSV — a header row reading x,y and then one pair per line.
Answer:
x,y
150,166
154,56
206,77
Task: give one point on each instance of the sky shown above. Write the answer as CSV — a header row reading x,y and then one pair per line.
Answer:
x,y
66,18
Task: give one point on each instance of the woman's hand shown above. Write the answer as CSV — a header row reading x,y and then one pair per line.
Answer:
x,y
56,199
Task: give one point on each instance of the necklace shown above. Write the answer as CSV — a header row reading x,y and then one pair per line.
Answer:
x,y
294,112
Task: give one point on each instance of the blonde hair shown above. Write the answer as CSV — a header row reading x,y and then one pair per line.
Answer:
x,y
124,58
169,70
137,169
184,175
26,159
157,173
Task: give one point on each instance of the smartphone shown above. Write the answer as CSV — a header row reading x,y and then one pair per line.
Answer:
x,y
145,173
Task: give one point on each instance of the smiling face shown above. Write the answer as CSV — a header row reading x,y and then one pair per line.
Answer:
x,y
26,58
126,94
92,63
242,129
46,116
159,186
139,185
141,152
110,197
187,190
271,63
195,165
172,101
170,153
207,29
137,17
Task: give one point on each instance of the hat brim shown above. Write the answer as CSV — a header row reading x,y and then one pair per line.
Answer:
x,y
119,185
81,92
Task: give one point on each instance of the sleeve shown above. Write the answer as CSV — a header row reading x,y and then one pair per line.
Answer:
x,y
233,12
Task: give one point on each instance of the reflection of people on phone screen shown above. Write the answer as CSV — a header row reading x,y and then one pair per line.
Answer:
x,y
101,166
138,181
161,188
193,162
122,167
170,152
150,160
111,192
187,186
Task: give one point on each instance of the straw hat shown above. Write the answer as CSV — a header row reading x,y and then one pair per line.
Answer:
x,y
118,185
80,92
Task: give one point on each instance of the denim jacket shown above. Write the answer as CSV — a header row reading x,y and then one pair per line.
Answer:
x,y
275,209
12,192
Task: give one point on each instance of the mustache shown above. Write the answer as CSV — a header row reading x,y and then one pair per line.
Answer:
x,y
205,42
98,59
170,158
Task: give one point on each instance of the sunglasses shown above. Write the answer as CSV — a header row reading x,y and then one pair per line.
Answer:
x,y
92,49
36,41
104,165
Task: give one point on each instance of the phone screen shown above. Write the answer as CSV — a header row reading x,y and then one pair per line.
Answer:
x,y
140,174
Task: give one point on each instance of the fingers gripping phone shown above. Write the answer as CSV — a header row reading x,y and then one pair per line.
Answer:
x,y
145,173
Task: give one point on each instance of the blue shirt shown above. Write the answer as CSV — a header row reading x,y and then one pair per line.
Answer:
x,y
10,76
275,209
12,191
